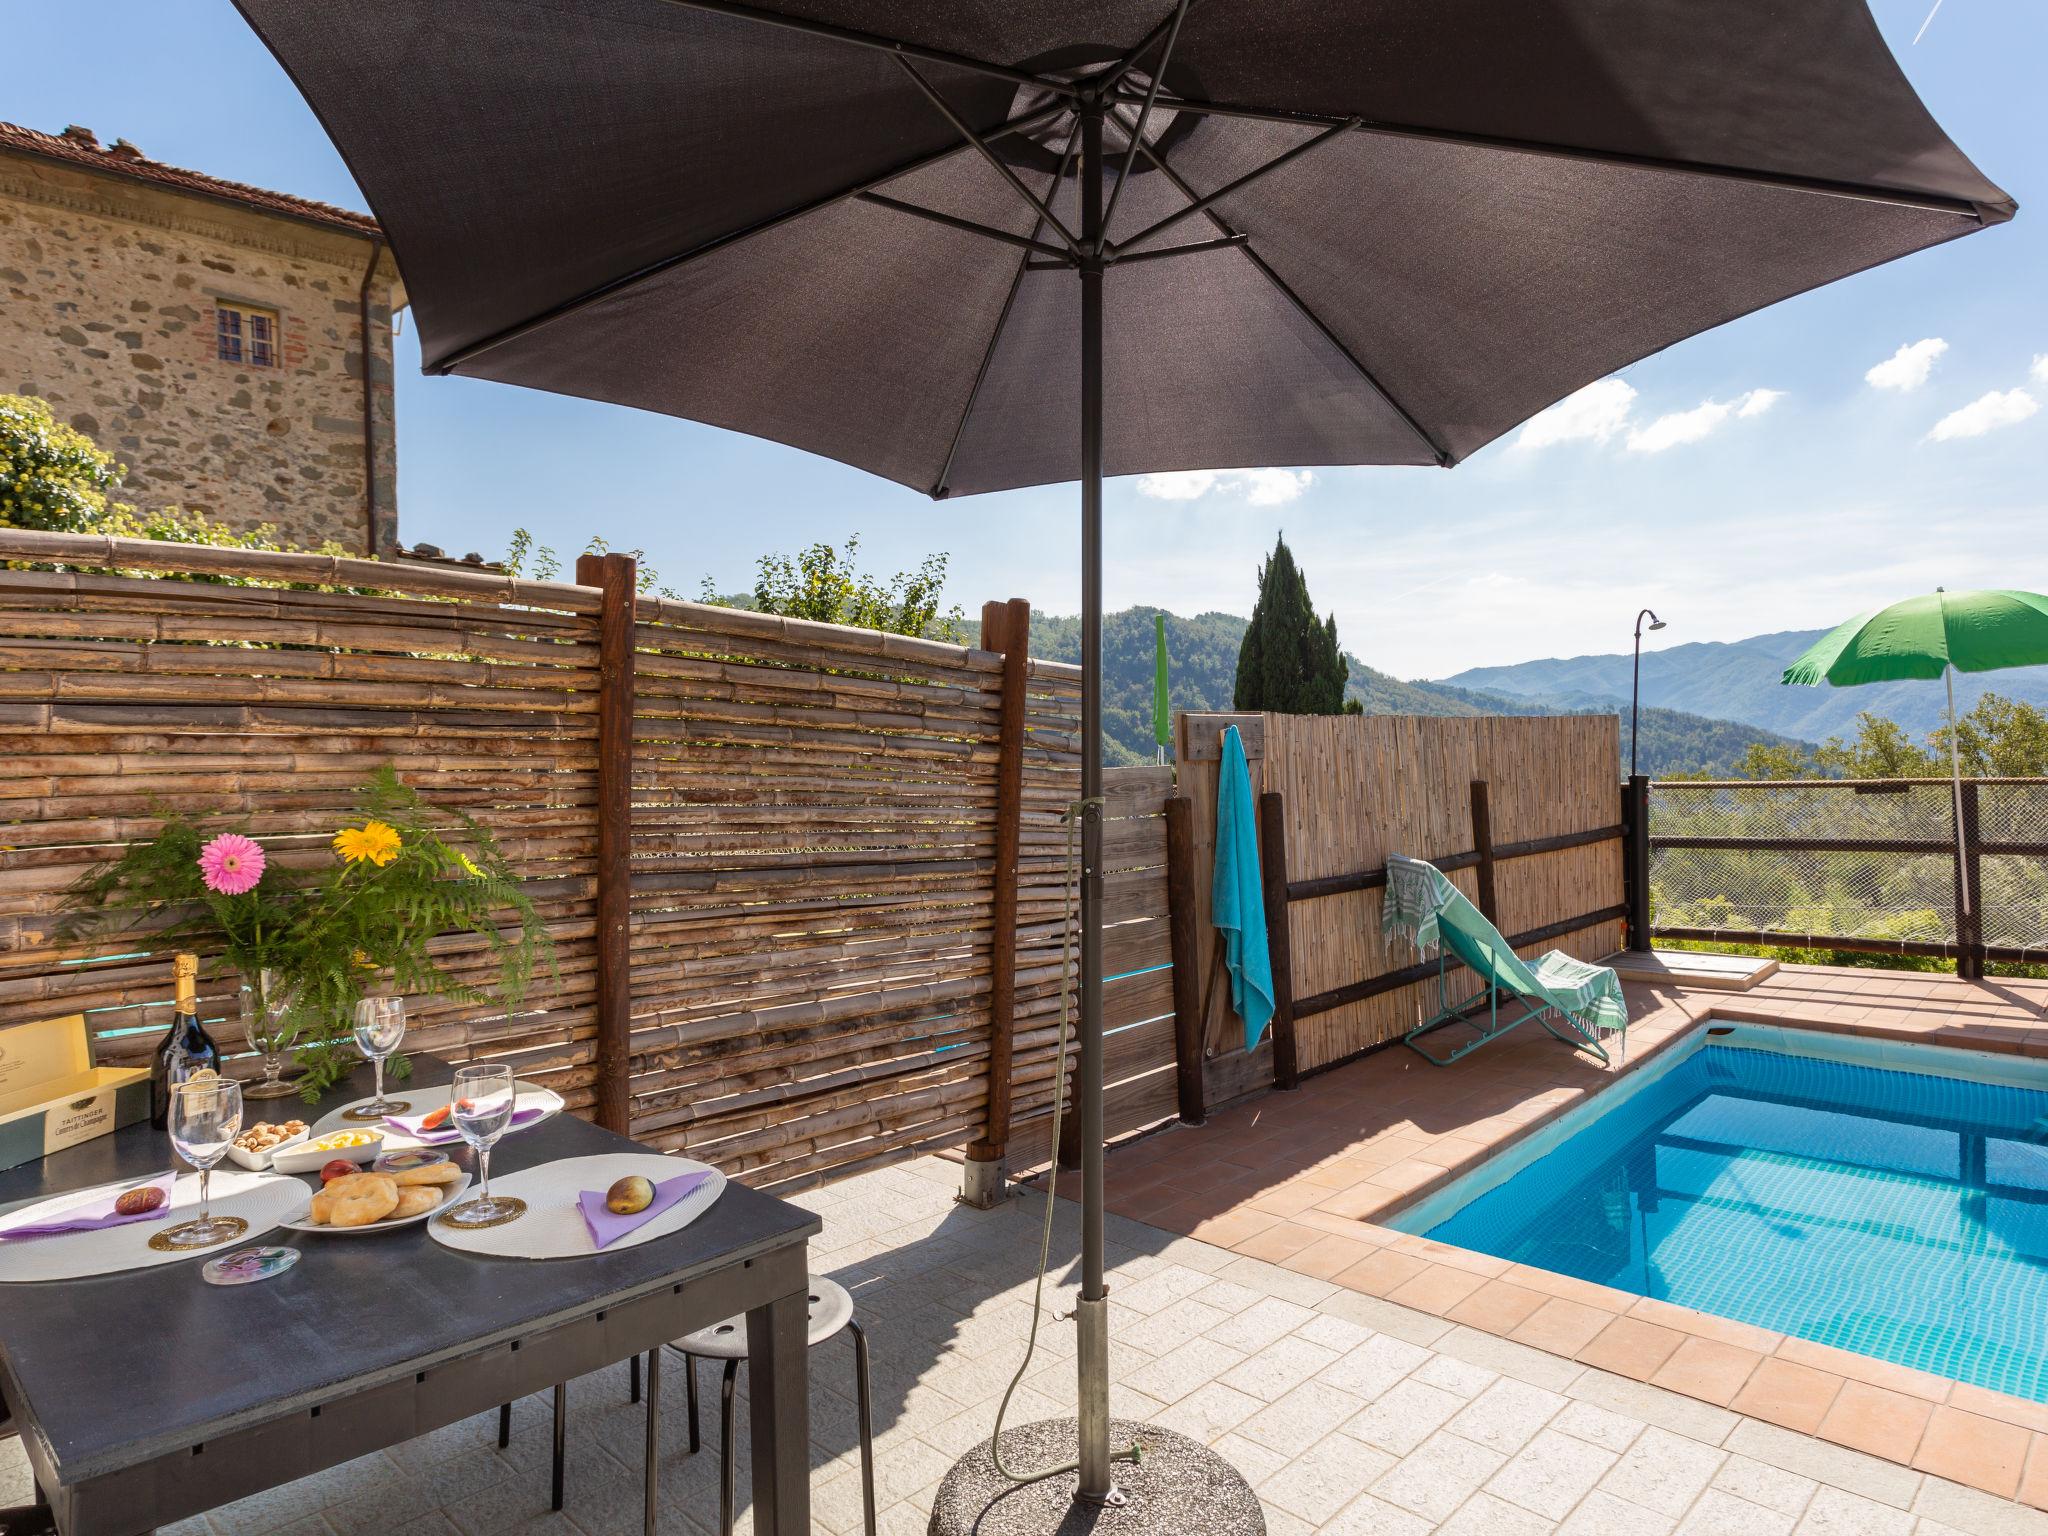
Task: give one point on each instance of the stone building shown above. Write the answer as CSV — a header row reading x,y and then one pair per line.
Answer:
x,y
212,336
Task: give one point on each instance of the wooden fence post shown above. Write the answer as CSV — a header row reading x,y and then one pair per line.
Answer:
x,y
618,576
1187,981
1635,867
1273,881
1970,929
1005,627
1482,846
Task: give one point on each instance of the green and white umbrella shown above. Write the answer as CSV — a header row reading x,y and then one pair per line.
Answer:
x,y
1938,635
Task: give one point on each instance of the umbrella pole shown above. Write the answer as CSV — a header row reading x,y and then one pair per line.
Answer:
x,y
1955,765
1092,1310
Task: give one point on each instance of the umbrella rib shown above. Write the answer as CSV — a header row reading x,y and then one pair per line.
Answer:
x,y
614,286
988,231
1137,134
939,487
1444,458
1926,202
878,44
1202,204
1016,182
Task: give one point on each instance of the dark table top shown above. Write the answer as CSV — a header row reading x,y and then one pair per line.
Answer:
x,y
116,1369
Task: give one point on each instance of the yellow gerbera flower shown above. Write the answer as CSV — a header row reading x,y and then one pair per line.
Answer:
x,y
375,841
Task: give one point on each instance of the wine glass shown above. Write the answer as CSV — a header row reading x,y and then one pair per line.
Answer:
x,y
267,1021
380,1025
206,1116
481,1104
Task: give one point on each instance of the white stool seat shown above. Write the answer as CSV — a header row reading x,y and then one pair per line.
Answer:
x,y
831,1309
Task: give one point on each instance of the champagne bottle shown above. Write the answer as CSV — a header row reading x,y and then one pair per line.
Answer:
x,y
185,1048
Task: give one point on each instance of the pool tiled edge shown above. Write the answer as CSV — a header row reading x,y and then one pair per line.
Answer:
x,y
1307,1191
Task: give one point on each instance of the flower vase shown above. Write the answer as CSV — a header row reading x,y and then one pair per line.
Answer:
x,y
267,1021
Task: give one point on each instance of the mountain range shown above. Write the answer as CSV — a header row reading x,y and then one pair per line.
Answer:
x,y
1739,680
1202,667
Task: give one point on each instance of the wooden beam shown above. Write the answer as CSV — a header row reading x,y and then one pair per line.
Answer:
x,y
1482,846
1005,628
617,577
1187,987
1273,883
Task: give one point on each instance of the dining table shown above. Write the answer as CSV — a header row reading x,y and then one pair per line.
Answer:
x,y
146,1396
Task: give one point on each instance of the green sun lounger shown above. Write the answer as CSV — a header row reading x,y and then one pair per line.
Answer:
x,y
1578,1002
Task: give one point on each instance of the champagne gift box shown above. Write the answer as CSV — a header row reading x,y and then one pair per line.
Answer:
x,y
53,1097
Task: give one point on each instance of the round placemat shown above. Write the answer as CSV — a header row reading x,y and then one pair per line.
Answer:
x,y
553,1226
261,1199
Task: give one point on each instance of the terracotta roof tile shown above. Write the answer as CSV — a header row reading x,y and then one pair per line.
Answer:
x,y
78,146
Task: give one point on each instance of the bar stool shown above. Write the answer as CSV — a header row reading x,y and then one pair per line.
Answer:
x,y
831,1310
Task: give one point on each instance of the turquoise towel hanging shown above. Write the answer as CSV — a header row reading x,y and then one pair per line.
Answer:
x,y
1239,906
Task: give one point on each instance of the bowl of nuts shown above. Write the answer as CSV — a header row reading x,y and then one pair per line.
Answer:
x,y
256,1146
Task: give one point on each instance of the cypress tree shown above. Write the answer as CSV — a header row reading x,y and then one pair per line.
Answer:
x,y
1289,662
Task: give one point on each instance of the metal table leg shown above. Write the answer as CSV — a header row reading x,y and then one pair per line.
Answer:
x,y
649,1493
728,1474
561,1425
867,1424
504,1425
779,1379
690,1376
633,1379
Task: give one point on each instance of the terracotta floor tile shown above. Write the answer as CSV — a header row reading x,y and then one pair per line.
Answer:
x,y
1234,1226
1795,1396
1969,1448
1706,1325
2034,1480
1274,1243
1437,1289
1707,1369
1498,1307
1358,1202
1563,1327
1384,1271
1878,1420
1996,1405
1631,1347
1328,1256
1570,1287
1289,1199
1864,1368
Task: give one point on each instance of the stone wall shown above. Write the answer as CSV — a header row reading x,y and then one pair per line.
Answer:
x,y
110,287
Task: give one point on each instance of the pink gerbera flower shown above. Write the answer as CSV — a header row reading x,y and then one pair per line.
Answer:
x,y
231,864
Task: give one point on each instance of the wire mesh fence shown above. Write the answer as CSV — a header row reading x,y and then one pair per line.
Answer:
x,y
1873,862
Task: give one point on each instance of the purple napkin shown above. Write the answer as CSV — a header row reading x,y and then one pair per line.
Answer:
x,y
409,1125
94,1214
607,1228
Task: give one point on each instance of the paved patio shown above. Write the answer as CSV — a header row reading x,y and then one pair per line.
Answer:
x,y
1302,1179
1351,1414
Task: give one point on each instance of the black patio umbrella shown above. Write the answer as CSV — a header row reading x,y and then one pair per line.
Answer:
x,y
1305,232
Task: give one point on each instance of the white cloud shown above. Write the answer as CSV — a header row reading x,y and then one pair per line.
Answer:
x,y
1259,487
1987,413
1908,367
1594,413
2040,368
1680,427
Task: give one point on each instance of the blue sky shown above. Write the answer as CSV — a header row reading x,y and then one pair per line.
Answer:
x,y
1754,480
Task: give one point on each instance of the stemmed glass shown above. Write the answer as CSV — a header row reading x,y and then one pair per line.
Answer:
x,y
481,1106
380,1026
206,1116
267,1020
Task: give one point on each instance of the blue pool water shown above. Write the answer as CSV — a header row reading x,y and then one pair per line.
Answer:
x,y
1898,1214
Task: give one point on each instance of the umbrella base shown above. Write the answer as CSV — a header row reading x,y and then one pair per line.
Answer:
x,y
1179,1488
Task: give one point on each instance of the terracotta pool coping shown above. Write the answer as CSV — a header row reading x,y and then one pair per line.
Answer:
x,y
1303,1179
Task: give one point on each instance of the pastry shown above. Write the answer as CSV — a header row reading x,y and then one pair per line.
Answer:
x,y
355,1201
432,1173
412,1202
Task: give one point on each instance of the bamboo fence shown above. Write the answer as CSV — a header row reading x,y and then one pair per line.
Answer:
x,y
766,850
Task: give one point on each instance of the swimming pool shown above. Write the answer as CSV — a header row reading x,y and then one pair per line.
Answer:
x,y
1889,1199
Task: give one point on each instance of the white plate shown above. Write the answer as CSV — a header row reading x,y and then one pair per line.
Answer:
x,y
424,1101
553,1226
308,1157
298,1223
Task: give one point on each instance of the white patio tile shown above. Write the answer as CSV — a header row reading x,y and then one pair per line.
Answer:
x,y
1300,1418
1438,1476
1506,1416
1786,1492
1485,1515
1266,1321
1212,1409
1279,1368
1375,1366
1837,1512
1457,1376
1405,1415
1602,1514
1663,1471
1588,1421
1719,1513
1325,1477
1551,1474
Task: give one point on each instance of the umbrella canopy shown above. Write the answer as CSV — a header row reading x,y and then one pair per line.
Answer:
x,y
1923,636
1303,233
767,218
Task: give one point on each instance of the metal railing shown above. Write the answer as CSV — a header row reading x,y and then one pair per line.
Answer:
x,y
1873,865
